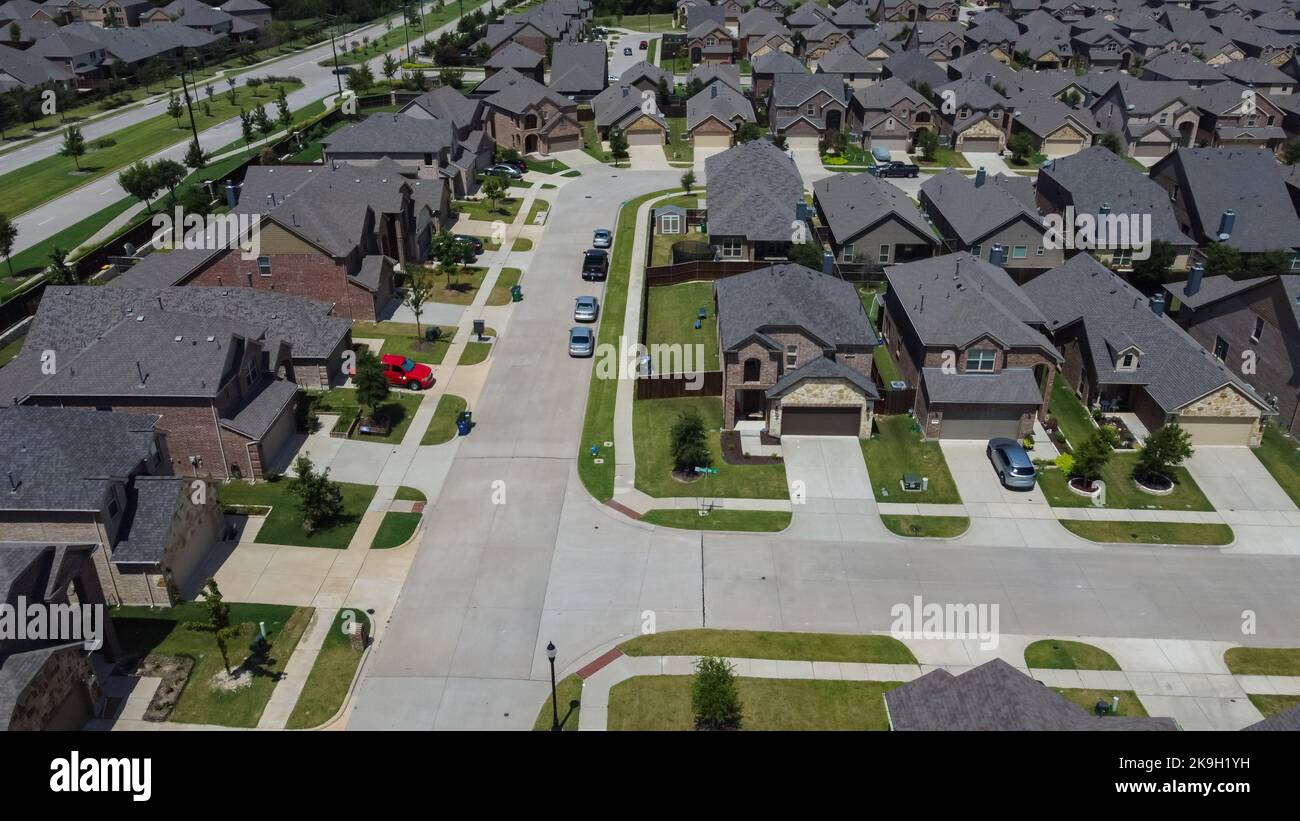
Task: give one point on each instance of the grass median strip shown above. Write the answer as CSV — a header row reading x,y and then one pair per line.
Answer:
x,y
284,524
1263,661
1058,654
895,449
569,690
926,527
1271,705
1180,533
749,521
331,675
1129,703
766,644
506,279
442,427
395,530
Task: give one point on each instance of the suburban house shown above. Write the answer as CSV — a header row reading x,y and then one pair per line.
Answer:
x,y
1233,196
1055,129
938,42
430,147
1097,182
822,39
796,352
808,15
645,77
619,108
804,108
714,115
911,10
856,70
529,117
889,114
994,218
1259,314
704,76
710,43
1045,42
755,200
870,221
1177,67
971,343
767,66
579,69
81,476
48,684
761,29
520,58
914,69
1233,116
1264,78
1149,118
979,116
1124,353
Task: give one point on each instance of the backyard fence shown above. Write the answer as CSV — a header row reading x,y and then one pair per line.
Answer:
x,y
674,386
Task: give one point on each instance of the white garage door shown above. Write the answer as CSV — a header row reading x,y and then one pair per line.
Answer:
x,y
645,138
796,143
712,141
980,421
890,143
1151,149
1061,148
1218,430
987,145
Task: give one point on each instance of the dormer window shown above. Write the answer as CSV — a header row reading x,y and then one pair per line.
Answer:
x,y
964,112
1127,361
981,359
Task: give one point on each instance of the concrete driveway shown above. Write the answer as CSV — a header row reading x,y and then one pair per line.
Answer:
x,y
1234,479
702,154
991,163
976,482
809,163
830,489
648,158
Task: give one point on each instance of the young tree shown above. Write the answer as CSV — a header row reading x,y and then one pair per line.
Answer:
x,y
928,143
1149,274
254,83
688,440
806,254
140,181
8,115
283,114
494,188
618,145
390,67
195,157
1166,448
779,141
1291,152
1090,458
174,108
247,127
362,79
59,271
1112,144
74,145
372,384
8,236
320,500
688,180
218,623
715,699
418,291
1021,145
748,133
194,200
265,125
1221,259
168,174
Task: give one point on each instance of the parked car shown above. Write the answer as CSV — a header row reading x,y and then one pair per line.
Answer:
x,y
602,238
586,309
612,78
627,52
595,263
895,169
582,342
520,165
644,45
344,70
880,154
474,242
1011,461
406,373
504,170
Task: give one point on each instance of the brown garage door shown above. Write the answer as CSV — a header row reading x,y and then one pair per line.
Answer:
x,y
570,142
973,145
645,138
820,421
980,421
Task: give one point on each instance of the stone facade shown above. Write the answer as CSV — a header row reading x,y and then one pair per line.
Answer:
x,y
822,393
60,697
533,130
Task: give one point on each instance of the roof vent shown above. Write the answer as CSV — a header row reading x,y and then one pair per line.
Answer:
x,y
139,318
178,338
212,339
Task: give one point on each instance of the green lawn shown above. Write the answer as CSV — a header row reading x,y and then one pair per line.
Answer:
x,y
764,644
142,630
395,530
639,22
476,352
1280,456
330,677
1070,412
1122,492
547,166
397,36
945,157
1271,705
885,364
462,287
569,690
442,427
895,449
1129,703
598,422
284,524
1058,654
34,258
750,521
676,148
398,409
410,494
507,208
539,205
402,338
671,313
664,703
506,279
8,352
651,421
927,527
522,244
1263,661
1151,532
591,142
38,182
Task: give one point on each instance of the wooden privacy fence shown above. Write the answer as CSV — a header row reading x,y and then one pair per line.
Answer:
x,y
702,271
674,386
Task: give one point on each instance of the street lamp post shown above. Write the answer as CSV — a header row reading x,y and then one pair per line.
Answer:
x,y
406,27
185,92
337,80
555,701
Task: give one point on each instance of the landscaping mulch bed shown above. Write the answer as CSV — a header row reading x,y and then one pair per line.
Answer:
x,y
174,672
733,455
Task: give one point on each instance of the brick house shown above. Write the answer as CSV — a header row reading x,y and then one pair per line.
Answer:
x,y
1229,316
110,485
804,108
1124,353
755,200
711,43
972,344
796,347
871,221
529,117
889,114
715,114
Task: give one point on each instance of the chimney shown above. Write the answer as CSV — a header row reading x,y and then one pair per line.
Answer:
x,y
998,254
1194,277
713,90
980,176
828,262
160,307
1226,222
1158,304
988,79
232,199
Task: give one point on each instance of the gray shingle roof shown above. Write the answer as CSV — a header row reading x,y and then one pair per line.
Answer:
x,y
1249,182
64,458
1011,386
257,415
787,295
778,62
1172,366
515,56
147,525
912,67
1096,176
644,70
29,69
391,134
721,101
1174,65
844,59
822,368
852,203
1254,71
729,74
515,93
754,191
996,696
1213,289
578,68
955,299
974,212
1287,720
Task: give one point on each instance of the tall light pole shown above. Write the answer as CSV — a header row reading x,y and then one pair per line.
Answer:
x,y
337,80
406,27
185,92
555,701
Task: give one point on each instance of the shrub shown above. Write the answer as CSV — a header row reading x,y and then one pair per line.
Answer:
x,y
1165,449
714,697
689,442
1091,457
1065,463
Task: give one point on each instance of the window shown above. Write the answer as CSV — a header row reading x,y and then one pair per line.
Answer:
x,y
1259,329
791,355
1164,118
112,508
1038,250
1122,257
731,249
1126,362
848,252
1221,348
975,251
753,370
670,224
250,373
981,359
1019,251
884,254
264,266
812,109
1295,262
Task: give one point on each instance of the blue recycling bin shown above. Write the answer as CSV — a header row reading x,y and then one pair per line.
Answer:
x,y
464,421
